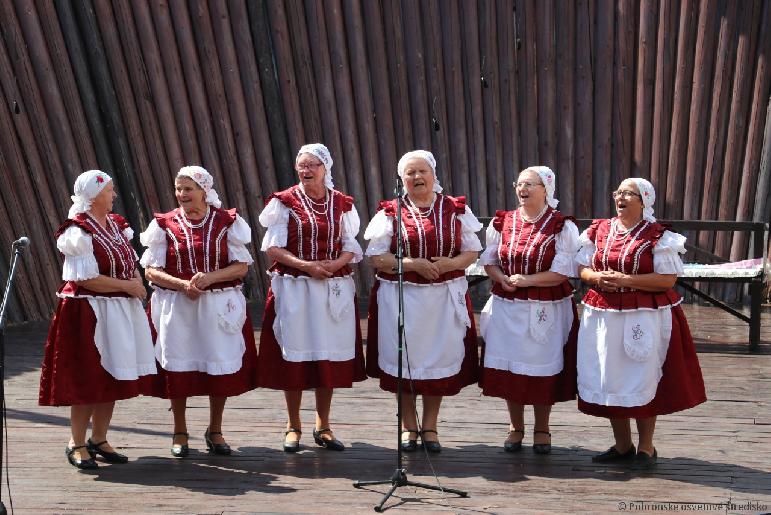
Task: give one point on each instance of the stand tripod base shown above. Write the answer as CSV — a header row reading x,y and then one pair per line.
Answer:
x,y
400,479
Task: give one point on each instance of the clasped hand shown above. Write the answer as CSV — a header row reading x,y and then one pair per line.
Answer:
x,y
430,269
611,281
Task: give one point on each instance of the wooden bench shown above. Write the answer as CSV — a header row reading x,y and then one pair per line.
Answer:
x,y
743,273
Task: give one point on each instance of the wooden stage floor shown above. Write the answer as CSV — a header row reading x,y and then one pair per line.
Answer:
x,y
719,452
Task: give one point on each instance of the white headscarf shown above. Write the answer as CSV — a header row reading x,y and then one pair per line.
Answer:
x,y
549,181
648,194
321,152
427,157
204,179
87,186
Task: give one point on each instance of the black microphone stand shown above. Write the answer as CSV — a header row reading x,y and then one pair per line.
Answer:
x,y
17,248
399,477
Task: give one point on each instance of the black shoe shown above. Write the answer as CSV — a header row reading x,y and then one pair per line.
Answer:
x,y
88,464
109,457
179,450
542,448
410,445
292,446
613,456
644,461
432,447
513,446
217,448
333,444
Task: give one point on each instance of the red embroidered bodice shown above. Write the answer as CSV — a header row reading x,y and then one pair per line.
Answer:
x,y
630,253
314,230
197,245
529,248
114,254
426,235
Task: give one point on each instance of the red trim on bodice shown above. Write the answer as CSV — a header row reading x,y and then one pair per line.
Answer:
x,y
529,248
114,254
314,231
630,253
197,245
428,234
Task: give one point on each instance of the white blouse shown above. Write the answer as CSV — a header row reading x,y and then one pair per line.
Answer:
x,y
78,249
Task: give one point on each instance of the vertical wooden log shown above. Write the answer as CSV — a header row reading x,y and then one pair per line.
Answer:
x,y
392,16
474,110
698,129
495,184
718,123
603,94
739,115
274,111
528,80
147,193
565,26
380,81
507,59
416,74
762,206
546,83
686,46
160,169
322,66
646,75
666,54
752,152
584,110
303,69
622,146
282,51
456,107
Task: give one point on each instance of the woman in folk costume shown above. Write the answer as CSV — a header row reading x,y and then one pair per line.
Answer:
x,y
195,259
530,323
310,332
99,347
439,241
636,358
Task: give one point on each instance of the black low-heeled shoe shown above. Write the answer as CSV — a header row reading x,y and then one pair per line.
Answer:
x,y
513,446
292,446
644,461
613,456
332,444
88,464
179,450
109,457
410,445
217,448
542,448
432,447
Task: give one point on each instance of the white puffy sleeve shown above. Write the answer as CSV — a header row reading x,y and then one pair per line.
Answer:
x,y
379,233
470,226
666,253
275,218
78,249
154,238
587,250
492,241
350,223
239,234
567,245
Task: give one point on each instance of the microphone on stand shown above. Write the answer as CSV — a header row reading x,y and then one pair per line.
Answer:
x,y
399,190
21,243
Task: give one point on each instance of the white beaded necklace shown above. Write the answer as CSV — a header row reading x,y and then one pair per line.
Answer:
x,y
312,203
416,212
533,220
191,224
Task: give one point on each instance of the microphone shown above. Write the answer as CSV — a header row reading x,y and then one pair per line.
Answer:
x,y
21,243
399,186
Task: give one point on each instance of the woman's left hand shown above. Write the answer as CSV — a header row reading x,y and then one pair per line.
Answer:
x,y
444,264
519,280
330,265
201,280
614,280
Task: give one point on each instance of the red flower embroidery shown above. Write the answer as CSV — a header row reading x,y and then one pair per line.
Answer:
x,y
99,179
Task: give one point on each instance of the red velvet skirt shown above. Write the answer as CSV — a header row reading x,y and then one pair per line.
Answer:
x,y
541,390
681,385
469,370
278,374
72,370
175,385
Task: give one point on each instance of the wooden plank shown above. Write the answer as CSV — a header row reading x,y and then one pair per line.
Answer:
x,y
507,68
546,82
303,69
394,36
644,89
494,186
603,116
622,147
762,206
565,26
415,69
584,110
528,97
750,171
